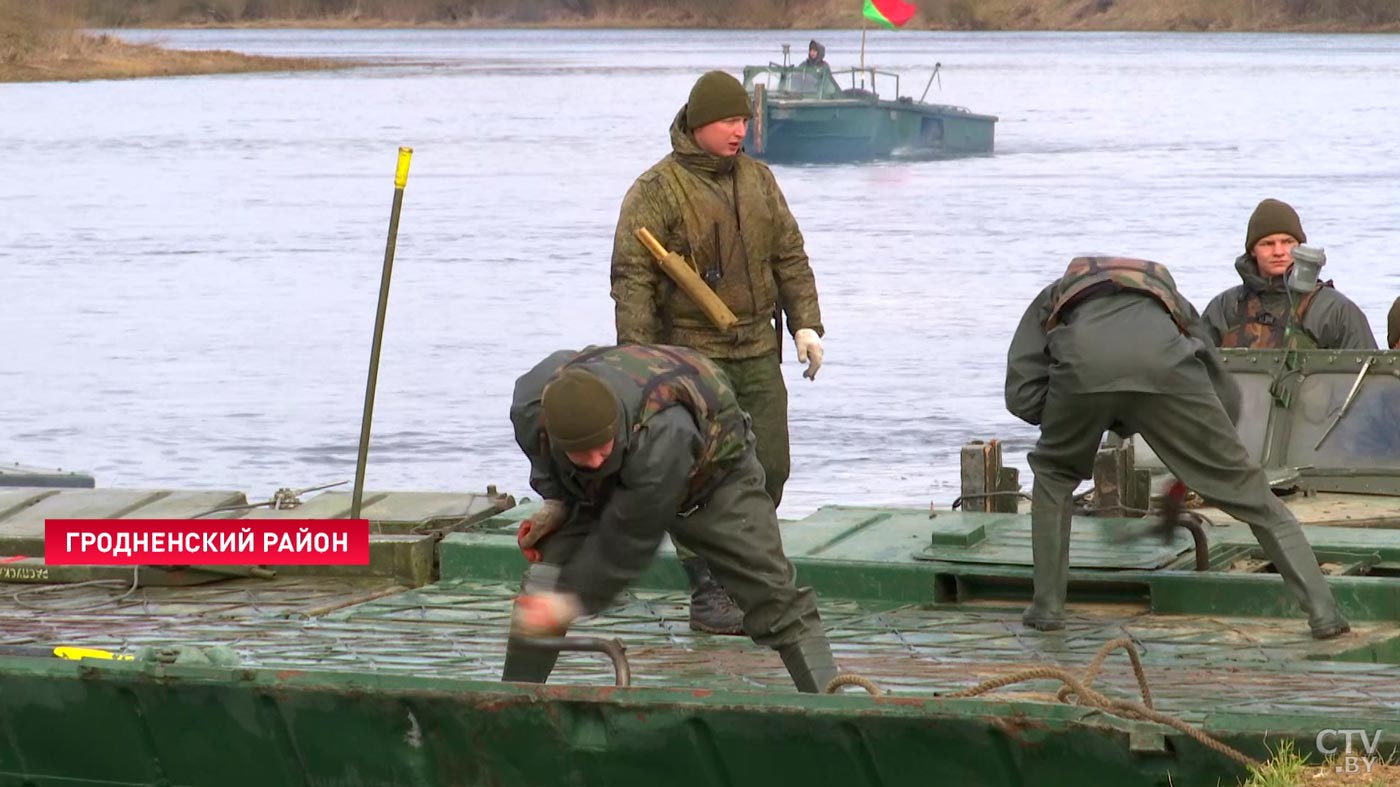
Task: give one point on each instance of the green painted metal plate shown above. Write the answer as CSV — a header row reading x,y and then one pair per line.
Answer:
x,y
16,474
1095,542
23,510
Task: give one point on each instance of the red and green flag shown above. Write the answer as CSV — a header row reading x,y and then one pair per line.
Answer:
x,y
890,13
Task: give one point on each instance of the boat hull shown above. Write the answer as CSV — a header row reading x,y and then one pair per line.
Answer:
x,y
825,131
216,727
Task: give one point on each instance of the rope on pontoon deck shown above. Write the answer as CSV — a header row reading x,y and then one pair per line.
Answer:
x,y
1079,691
852,679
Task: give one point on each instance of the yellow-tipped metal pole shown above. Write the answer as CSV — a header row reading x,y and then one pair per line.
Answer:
x,y
400,181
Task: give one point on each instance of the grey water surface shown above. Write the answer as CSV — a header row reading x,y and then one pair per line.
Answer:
x,y
189,266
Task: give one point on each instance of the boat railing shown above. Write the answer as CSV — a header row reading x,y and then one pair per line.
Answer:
x,y
873,73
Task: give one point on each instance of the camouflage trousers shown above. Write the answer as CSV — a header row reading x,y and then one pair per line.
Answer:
x,y
762,393
759,387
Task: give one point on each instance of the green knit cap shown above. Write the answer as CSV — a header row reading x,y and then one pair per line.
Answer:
x,y
716,96
1273,216
580,411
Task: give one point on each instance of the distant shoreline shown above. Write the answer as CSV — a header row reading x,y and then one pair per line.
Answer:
x,y
91,57
1051,16
621,23
75,55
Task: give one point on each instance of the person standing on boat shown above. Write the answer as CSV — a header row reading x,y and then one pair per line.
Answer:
x,y
723,211
1263,313
815,77
627,444
1113,345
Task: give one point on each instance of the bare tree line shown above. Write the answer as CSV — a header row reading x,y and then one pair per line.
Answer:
x,y
946,14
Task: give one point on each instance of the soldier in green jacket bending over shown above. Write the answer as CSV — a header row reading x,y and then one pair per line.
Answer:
x,y
627,444
1113,345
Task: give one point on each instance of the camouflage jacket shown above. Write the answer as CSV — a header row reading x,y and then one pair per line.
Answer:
x,y
1256,312
728,217
1122,340
680,430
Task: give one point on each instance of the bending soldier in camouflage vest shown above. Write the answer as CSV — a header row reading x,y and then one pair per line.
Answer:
x,y
1113,345
724,212
627,444
1263,313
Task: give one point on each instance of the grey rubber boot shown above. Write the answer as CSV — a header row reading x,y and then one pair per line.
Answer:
x,y
525,664
1288,549
711,609
810,663
1050,528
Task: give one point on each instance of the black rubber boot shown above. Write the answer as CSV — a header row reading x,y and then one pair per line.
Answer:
x,y
1332,630
810,664
1050,550
711,609
525,664
1285,544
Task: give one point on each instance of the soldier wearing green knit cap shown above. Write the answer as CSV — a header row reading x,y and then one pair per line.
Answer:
x,y
723,211
627,444
1264,313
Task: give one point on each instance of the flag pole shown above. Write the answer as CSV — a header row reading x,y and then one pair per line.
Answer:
x,y
863,23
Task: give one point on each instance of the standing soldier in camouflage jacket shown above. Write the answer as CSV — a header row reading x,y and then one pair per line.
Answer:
x,y
1263,313
627,444
724,212
1113,345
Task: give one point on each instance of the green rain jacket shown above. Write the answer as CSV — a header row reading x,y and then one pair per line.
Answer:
x,y
1332,319
727,216
1120,342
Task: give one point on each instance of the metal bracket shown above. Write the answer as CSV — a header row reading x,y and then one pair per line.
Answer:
x,y
612,648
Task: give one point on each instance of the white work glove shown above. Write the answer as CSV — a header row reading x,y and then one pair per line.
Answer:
x,y
544,614
809,351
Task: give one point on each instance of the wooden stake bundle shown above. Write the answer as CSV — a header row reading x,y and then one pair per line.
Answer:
x,y
685,277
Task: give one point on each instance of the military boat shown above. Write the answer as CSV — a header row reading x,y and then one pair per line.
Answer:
x,y
389,674
802,114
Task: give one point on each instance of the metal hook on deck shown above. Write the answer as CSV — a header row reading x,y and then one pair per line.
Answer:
x,y
613,648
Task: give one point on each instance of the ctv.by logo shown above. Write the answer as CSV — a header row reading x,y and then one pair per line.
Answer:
x,y
1350,761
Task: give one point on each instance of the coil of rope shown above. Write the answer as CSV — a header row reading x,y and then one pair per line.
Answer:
x,y
1079,691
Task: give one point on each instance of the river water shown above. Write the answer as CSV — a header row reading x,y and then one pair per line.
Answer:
x,y
189,267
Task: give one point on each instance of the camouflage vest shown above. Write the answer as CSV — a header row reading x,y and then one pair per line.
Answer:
x,y
1149,278
670,376
1261,329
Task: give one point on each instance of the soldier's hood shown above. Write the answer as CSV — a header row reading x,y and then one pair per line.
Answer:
x,y
1254,281
821,49
691,156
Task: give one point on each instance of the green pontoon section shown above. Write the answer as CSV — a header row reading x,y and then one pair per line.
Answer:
x,y
390,674
284,681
